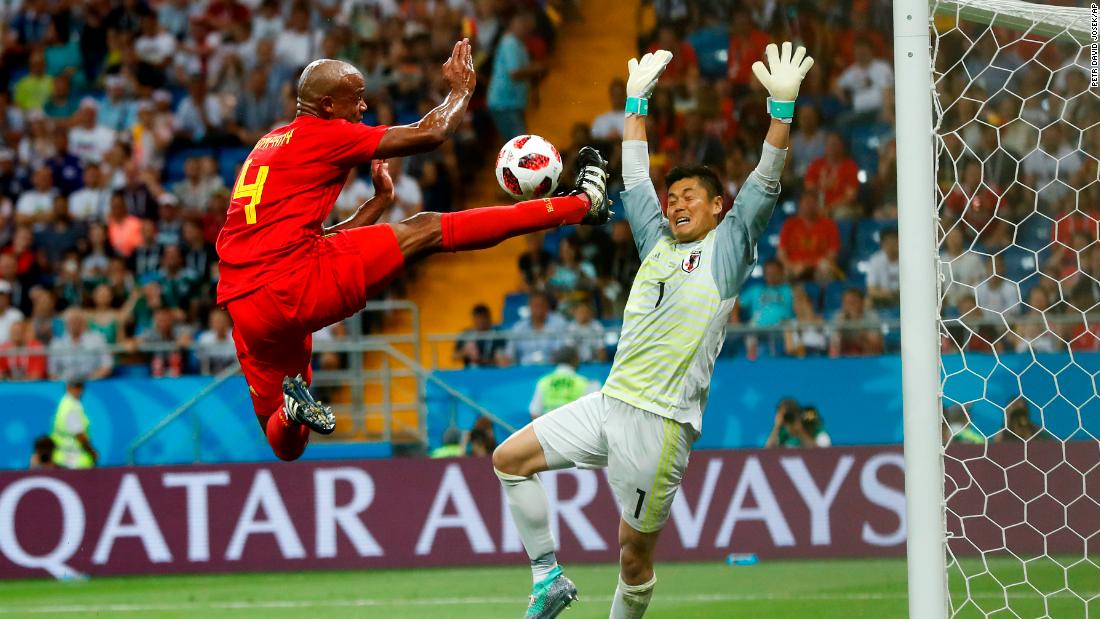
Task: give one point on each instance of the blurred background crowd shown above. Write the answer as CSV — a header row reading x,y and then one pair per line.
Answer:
x,y
123,124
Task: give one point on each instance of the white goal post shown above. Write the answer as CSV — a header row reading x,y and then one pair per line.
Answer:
x,y
998,144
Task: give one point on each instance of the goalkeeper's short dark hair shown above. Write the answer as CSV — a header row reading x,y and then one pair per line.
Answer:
x,y
706,177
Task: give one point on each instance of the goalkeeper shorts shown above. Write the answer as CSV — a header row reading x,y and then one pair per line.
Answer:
x,y
645,454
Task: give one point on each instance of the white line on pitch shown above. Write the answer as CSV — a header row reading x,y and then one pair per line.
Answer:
x,y
487,601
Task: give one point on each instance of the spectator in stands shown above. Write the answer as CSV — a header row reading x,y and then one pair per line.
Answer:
x,y
198,255
65,167
861,85
883,272
257,110
8,315
789,429
34,206
104,318
535,338
961,269
88,140
199,114
1033,333
512,72
117,112
807,336
145,261
91,202
28,364
166,341
72,444
586,334
32,90
570,273
45,323
1019,428
859,30
176,282
835,178
771,302
746,46
62,104
814,425
197,186
79,352
807,141
125,231
696,145
958,429
561,386
535,262
609,125
998,295
684,63
452,445
214,347
809,242
974,199
855,329
475,351
42,456
59,235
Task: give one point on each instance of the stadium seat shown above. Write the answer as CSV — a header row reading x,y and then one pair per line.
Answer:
x,y
137,370
173,167
711,46
229,159
515,305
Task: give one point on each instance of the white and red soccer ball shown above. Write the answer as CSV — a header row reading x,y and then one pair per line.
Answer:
x,y
528,167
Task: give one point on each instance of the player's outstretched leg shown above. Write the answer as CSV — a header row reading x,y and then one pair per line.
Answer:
x,y
516,461
301,408
586,203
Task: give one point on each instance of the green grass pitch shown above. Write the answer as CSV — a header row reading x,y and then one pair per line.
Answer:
x,y
838,589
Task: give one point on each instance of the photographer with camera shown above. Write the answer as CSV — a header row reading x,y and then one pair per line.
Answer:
x,y
797,426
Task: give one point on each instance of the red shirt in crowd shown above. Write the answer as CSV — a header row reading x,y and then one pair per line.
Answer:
x,y
283,194
1075,223
683,61
26,366
743,52
806,241
978,209
835,180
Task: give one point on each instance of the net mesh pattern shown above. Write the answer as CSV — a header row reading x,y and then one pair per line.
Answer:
x,y
1017,141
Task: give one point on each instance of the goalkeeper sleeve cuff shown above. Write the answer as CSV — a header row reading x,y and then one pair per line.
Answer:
x,y
635,163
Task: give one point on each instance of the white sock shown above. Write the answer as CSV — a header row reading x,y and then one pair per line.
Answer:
x,y
531,513
630,601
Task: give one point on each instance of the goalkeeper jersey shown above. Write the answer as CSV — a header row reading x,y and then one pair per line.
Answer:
x,y
680,302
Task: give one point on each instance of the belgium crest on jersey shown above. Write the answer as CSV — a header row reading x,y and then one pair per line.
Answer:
x,y
692,261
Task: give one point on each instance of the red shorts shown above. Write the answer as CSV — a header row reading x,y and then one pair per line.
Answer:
x,y
273,326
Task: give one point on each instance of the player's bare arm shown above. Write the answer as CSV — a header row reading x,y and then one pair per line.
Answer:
x,y
441,123
370,211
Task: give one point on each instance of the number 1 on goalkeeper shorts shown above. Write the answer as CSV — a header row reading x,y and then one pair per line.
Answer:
x,y
252,191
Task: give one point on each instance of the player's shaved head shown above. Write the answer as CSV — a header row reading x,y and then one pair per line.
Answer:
x,y
331,89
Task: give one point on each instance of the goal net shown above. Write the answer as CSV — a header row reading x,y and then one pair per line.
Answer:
x,y
1016,141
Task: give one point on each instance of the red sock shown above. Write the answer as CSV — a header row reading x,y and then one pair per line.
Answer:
x,y
287,438
484,227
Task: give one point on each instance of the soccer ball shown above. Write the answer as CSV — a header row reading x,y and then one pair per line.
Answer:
x,y
528,167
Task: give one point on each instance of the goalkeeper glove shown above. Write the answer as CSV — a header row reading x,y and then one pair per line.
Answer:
x,y
783,78
643,79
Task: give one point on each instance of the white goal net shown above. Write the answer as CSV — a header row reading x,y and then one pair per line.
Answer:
x,y
1017,141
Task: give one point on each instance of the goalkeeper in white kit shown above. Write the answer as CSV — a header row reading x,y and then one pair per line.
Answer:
x,y
642,424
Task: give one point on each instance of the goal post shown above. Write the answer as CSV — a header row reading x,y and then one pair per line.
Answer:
x,y
919,312
998,149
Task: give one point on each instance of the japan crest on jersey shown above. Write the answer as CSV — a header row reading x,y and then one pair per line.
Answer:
x,y
692,261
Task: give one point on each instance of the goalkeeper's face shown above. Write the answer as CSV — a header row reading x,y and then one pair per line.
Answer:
x,y
692,210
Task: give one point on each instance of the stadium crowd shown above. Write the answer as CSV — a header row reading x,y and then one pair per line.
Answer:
x,y
1019,268
123,124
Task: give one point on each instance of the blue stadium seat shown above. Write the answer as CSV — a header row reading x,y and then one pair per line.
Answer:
x,y
813,290
515,304
131,371
845,230
553,238
712,48
834,293
229,159
173,167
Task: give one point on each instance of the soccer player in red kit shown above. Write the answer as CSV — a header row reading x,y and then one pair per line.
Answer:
x,y
283,276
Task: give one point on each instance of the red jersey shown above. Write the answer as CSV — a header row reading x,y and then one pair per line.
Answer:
x,y
809,242
283,194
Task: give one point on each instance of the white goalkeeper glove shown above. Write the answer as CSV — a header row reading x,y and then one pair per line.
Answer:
x,y
782,78
643,79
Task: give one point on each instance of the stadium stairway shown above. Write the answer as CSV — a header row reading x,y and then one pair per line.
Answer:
x,y
590,52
